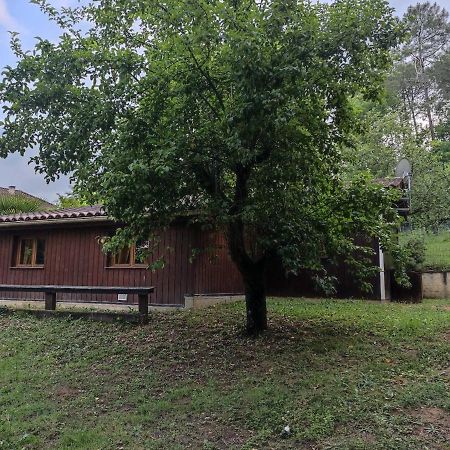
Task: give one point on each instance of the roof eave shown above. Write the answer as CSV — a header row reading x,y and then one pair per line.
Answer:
x,y
62,221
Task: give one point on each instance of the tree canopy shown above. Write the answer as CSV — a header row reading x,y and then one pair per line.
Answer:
x,y
70,200
234,109
413,120
386,140
420,79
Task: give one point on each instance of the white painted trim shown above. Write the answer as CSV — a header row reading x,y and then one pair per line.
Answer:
x,y
382,278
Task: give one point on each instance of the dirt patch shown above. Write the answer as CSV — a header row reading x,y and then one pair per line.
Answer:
x,y
431,422
343,434
208,432
433,415
66,392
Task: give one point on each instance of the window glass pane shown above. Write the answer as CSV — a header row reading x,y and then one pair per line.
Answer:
x,y
26,252
124,256
40,252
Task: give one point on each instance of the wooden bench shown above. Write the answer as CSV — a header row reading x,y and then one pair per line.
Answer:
x,y
50,292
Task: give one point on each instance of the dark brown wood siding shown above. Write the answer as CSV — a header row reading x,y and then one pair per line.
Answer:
x,y
197,262
281,285
214,271
74,257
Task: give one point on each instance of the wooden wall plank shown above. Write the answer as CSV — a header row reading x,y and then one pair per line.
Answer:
x,y
74,257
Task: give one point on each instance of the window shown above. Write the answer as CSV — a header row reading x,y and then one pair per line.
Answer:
x,y
30,252
129,256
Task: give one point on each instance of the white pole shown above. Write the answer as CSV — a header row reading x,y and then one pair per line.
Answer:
x,y
381,265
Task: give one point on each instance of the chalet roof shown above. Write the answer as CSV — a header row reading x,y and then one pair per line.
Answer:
x,y
394,182
83,212
97,212
6,192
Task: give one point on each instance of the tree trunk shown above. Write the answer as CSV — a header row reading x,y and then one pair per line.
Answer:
x,y
253,276
413,114
429,113
255,299
424,81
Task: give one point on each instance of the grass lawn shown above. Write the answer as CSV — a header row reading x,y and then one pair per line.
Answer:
x,y
340,374
437,249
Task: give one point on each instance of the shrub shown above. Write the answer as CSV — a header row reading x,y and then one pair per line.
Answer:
x,y
414,251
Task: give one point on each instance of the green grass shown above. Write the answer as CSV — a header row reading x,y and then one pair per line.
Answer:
x,y
340,374
437,248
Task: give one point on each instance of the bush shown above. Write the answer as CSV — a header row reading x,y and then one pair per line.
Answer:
x,y
414,251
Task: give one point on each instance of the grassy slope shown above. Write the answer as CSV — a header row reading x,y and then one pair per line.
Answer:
x,y
437,248
340,374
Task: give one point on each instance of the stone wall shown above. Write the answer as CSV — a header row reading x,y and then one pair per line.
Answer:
x,y
436,285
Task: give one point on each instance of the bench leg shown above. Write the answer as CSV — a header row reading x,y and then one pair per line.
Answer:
x,y
50,301
143,307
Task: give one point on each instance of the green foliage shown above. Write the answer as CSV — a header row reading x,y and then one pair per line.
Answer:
x,y
428,41
325,284
70,200
442,143
429,33
342,374
441,75
14,204
415,252
436,245
233,109
387,139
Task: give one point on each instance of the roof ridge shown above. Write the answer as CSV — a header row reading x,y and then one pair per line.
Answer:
x,y
81,212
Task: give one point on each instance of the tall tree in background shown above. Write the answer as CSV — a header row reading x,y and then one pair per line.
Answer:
x,y
441,75
404,92
386,140
429,40
235,109
414,121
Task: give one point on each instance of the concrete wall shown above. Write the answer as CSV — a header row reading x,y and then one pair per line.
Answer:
x,y
203,301
436,285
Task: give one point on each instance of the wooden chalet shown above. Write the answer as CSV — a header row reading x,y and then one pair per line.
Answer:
x,y
63,248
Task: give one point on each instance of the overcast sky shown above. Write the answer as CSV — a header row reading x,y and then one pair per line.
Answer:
x,y
22,16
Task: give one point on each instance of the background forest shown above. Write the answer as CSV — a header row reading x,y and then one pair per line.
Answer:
x,y
413,121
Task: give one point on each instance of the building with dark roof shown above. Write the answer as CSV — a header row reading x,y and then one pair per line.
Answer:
x,y
64,247
11,191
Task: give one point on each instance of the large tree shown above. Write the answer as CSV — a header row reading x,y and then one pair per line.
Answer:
x,y
235,109
404,93
429,39
386,139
